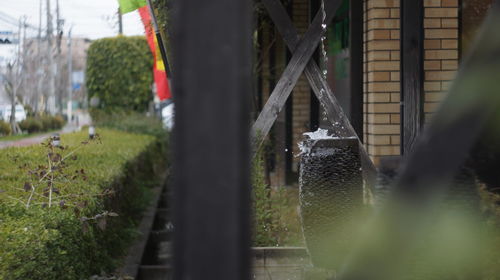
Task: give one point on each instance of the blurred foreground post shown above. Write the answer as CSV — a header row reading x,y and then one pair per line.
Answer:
x,y
212,53
397,245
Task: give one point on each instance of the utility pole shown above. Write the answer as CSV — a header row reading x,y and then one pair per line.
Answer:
x,y
120,22
70,79
23,65
39,72
58,80
50,103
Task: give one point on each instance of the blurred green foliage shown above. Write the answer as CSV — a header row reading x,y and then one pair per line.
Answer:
x,y
275,217
129,121
52,243
41,123
4,128
119,73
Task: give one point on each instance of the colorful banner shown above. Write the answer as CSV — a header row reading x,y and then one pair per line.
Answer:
x,y
127,6
159,74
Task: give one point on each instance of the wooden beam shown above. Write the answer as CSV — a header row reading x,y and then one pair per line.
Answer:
x,y
412,71
211,139
301,56
320,87
356,60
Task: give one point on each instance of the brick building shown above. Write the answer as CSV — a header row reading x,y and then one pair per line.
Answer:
x,y
364,62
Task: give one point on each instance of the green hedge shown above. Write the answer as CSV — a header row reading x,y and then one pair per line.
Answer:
x,y
4,128
275,218
52,243
130,122
119,73
41,123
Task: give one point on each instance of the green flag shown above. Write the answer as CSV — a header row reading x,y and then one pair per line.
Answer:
x,y
127,6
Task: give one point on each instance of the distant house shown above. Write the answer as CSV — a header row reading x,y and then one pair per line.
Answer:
x,y
363,45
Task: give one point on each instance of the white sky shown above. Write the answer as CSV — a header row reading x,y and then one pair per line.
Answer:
x,y
90,18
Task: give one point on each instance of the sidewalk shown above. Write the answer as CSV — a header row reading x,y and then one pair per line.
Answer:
x,y
68,128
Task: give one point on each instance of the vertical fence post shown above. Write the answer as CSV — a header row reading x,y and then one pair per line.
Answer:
x,y
212,54
412,72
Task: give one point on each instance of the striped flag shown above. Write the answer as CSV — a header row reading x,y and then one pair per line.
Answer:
x,y
127,6
160,76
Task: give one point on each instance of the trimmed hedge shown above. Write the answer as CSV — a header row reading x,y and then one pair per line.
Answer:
x,y
41,123
275,219
4,128
119,72
130,122
52,243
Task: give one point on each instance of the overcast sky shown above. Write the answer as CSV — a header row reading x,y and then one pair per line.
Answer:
x,y
90,18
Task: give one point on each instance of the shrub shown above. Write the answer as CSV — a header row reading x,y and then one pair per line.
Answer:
x,y
130,122
51,122
60,246
275,218
4,128
41,123
58,122
31,125
119,73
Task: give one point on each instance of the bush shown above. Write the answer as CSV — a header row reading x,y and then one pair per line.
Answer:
x,y
130,122
119,73
4,128
60,246
51,122
31,125
42,123
275,217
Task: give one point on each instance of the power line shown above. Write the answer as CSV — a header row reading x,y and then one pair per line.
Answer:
x,y
9,19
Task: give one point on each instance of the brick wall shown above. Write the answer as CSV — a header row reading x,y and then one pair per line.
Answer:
x,y
381,71
441,50
382,67
302,92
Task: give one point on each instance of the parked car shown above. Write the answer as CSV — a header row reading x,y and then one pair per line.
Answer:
x,y
5,112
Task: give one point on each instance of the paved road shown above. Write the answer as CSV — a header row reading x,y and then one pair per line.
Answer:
x,y
35,139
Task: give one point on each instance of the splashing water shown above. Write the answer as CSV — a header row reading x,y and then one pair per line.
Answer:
x,y
323,38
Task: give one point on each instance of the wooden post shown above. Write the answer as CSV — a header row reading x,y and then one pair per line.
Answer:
x,y
213,53
319,85
356,69
412,71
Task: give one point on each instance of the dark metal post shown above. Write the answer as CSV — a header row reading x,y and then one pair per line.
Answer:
x,y
412,71
212,52
161,44
120,22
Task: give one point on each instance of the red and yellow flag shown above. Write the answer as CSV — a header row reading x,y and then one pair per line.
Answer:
x,y
160,76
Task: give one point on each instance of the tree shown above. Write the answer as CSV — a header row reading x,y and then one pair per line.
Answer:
x,y
12,84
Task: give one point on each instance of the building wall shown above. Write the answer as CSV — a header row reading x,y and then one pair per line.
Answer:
x,y
302,92
381,85
441,50
382,67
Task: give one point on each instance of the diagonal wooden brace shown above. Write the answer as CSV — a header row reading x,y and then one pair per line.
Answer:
x,y
301,56
320,87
